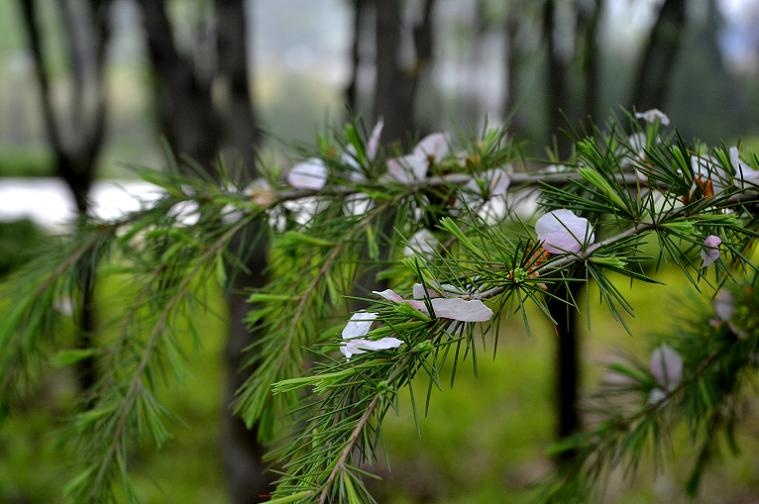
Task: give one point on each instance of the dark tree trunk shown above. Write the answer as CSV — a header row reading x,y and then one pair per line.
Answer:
x,y
360,10
185,109
388,89
512,62
591,62
567,377
396,87
76,151
556,85
238,112
657,64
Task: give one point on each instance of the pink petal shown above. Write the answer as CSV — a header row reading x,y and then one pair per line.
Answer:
x,y
390,295
373,143
710,252
310,174
667,367
461,309
393,296
359,325
433,146
561,231
407,169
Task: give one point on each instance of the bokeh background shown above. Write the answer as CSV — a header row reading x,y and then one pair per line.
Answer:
x,y
90,89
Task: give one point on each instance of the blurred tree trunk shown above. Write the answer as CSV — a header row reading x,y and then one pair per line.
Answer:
x,y
591,61
77,139
567,368
237,109
557,99
197,127
183,101
352,93
657,64
567,337
397,87
512,61
388,90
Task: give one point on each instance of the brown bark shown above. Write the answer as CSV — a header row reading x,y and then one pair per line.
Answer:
x,y
657,63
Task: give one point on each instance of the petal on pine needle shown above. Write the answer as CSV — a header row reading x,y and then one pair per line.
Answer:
x,y
667,367
310,174
710,252
561,231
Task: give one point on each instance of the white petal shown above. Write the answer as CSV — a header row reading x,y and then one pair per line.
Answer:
x,y
348,158
724,305
418,292
260,192
667,367
433,146
656,396
461,309
310,174
373,143
357,204
408,169
743,172
710,252
561,231
359,346
637,142
651,116
64,306
708,168
359,325
423,243
185,213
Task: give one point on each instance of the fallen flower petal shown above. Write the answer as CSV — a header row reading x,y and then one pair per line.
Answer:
x,y
393,296
667,367
260,192
656,396
433,147
359,325
710,252
358,346
651,116
724,305
460,309
561,231
310,174
743,172
435,291
372,145
422,243
407,169
708,174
